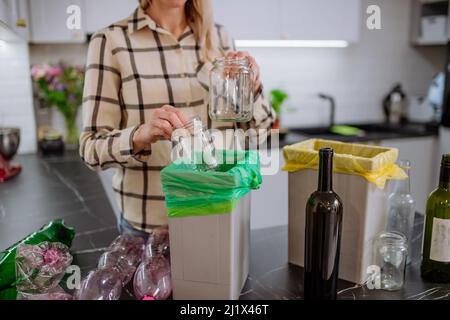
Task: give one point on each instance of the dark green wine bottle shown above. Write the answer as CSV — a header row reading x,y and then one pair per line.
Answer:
x,y
323,228
436,244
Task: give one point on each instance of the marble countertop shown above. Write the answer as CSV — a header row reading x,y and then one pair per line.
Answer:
x,y
62,187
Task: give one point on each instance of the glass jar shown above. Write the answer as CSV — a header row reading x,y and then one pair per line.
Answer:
x,y
194,145
390,252
231,90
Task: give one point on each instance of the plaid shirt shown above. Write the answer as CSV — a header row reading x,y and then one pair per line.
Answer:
x,y
133,67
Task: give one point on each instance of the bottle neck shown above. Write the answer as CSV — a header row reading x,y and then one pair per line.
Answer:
x,y
325,172
444,179
404,186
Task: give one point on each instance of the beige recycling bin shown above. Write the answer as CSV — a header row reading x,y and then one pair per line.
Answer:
x,y
364,202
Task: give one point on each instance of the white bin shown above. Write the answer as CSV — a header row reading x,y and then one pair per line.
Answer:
x,y
363,217
210,254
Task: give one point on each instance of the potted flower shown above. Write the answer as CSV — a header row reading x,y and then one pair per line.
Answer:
x,y
277,98
61,86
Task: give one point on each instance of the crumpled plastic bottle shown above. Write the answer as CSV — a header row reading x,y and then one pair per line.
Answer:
x,y
153,278
158,243
115,269
40,267
130,246
119,261
56,293
100,284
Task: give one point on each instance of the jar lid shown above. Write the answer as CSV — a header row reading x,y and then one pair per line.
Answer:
x,y
392,238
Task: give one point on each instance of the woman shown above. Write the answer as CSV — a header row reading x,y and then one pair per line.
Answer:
x,y
145,77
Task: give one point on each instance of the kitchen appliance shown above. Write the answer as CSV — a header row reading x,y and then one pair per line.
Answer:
x,y
9,143
394,105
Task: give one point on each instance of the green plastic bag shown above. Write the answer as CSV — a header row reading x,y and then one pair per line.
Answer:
x,y
55,231
190,192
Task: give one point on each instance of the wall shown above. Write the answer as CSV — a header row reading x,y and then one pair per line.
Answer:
x,y
358,76
16,105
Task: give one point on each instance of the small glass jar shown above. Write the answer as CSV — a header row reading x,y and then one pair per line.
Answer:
x,y
390,253
231,90
194,145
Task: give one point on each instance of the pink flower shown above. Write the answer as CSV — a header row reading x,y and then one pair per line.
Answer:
x,y
37,72
55,71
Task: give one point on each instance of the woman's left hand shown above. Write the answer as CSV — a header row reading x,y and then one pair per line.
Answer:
x,y
253,65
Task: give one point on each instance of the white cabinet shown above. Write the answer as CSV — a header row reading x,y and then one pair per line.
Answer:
x,y
423,154
290,19
49,18
14,13
102,13
249,19
49,21
5,11
321,19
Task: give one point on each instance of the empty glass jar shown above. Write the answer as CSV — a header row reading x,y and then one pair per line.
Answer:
x,y
390,252
194,145
231,90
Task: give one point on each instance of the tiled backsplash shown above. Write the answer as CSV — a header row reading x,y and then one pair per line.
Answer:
x,y
16,102
358,76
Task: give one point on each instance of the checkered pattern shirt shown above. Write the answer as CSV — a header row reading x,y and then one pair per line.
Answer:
x,y
133,67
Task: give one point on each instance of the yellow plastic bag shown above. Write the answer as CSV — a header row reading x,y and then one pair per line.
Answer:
x,y
375,164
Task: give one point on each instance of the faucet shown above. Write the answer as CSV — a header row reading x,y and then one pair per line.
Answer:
x,y
332,106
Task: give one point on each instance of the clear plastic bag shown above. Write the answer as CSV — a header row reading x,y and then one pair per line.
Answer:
x,y
41,267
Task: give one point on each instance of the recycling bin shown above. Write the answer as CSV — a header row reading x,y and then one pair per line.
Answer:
x,y
209,225
360,173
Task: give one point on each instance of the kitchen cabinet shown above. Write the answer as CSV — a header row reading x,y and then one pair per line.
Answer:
x,y
116,10
290,19
49,18
14,13
423,154
249,19
321,19
429,22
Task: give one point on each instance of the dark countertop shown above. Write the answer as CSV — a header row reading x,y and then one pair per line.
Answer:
x,y
63,187
371,132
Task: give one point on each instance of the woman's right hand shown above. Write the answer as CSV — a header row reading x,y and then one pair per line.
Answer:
x,y
163,122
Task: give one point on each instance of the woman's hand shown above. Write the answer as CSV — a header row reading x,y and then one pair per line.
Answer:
x,y
164,120
253,65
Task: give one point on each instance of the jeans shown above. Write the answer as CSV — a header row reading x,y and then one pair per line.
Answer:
x,y
126,227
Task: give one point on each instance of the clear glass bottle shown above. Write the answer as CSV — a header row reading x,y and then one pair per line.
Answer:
x,y
402,207
231,90
390,252
195,145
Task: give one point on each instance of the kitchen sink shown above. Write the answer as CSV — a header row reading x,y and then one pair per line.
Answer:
x,y
371,131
